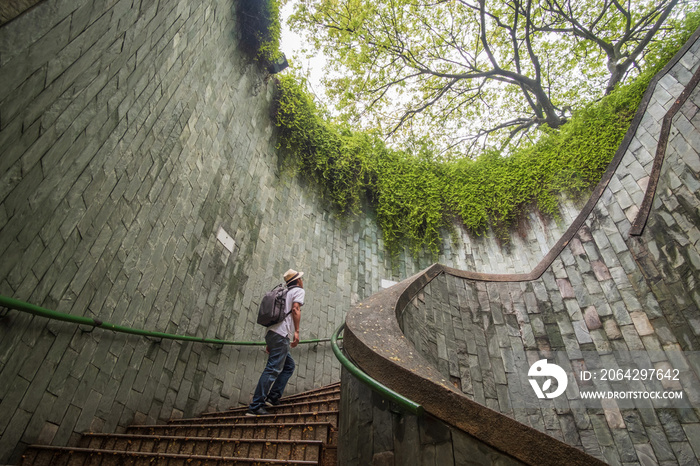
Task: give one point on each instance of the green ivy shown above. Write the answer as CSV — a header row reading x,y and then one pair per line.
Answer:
x,y
333,157
494,190
261,29
417,198
409,200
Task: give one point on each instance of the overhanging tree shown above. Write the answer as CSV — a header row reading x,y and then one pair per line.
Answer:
x,y
462,74
613,27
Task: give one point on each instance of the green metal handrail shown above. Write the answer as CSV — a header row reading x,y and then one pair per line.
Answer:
x,y
22,306
410,406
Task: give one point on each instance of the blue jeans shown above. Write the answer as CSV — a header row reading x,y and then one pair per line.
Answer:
x,y
278,370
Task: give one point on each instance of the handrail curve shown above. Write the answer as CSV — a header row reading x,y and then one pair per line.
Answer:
x,y
405,403
375,341
33,309
409,405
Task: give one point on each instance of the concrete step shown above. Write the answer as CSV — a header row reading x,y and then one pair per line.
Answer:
x,y
301,430
324,393
333,389
309,450
294,406
288,431
334,393
273,418
66,456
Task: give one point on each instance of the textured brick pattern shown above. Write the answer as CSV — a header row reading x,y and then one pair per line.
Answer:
x,y
373,431
494,332
607,298
669,249
131,132
10,9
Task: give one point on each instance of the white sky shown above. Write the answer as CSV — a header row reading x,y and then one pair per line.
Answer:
x,y
292,46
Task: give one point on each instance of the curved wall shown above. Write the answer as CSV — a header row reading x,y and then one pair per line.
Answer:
x,y
132,133
615,306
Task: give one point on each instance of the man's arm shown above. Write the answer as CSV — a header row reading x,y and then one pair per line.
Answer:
x,y
296,318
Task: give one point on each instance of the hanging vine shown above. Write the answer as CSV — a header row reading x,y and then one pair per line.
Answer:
x,y
417,197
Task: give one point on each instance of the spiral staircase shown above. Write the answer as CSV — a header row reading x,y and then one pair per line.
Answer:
x,y
301,430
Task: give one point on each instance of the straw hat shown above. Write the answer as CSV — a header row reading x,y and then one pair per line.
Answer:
x,y
291,275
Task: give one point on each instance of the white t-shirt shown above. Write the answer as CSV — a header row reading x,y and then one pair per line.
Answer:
x,y
286,327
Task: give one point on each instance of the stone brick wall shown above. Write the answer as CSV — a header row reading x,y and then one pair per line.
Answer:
x,y
608,301
133,135
375,431
10,9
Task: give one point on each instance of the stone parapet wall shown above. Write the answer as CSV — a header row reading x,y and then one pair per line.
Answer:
x,y
375,431
134,135
609,300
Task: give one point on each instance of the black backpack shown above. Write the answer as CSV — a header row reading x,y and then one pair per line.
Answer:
x,y
272,306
